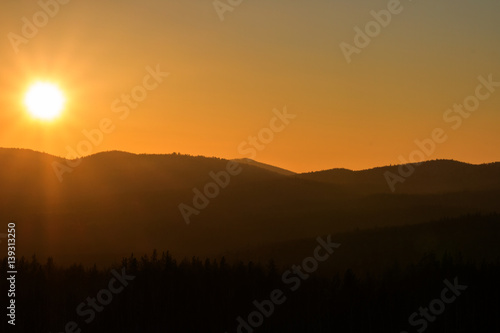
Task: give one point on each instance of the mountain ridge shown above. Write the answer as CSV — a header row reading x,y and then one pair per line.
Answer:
x,y
249,161
116,203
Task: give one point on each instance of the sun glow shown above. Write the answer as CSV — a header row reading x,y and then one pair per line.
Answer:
x,y
44,101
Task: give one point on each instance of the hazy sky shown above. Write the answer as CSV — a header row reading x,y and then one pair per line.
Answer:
x,y
226,77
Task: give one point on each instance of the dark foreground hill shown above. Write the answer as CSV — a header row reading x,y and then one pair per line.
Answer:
x,y
115,203
470,239
156,293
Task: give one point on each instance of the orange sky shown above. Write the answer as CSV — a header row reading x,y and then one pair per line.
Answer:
x,y
226,77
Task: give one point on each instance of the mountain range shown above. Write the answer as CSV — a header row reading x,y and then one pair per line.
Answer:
x,y
112,204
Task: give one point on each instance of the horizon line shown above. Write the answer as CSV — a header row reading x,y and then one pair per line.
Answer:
x,y
249,159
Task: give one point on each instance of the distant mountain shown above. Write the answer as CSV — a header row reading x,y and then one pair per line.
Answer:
x,y
438,176
115,203
264,166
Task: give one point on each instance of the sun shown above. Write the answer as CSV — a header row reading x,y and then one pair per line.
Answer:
x,y
44,100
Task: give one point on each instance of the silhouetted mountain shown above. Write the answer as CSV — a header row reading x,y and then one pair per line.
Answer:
x,y
115,203
265,166
438,176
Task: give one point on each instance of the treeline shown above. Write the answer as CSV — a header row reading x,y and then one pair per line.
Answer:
x,y
209,296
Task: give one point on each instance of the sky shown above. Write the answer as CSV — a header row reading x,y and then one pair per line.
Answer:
x,y
233,68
